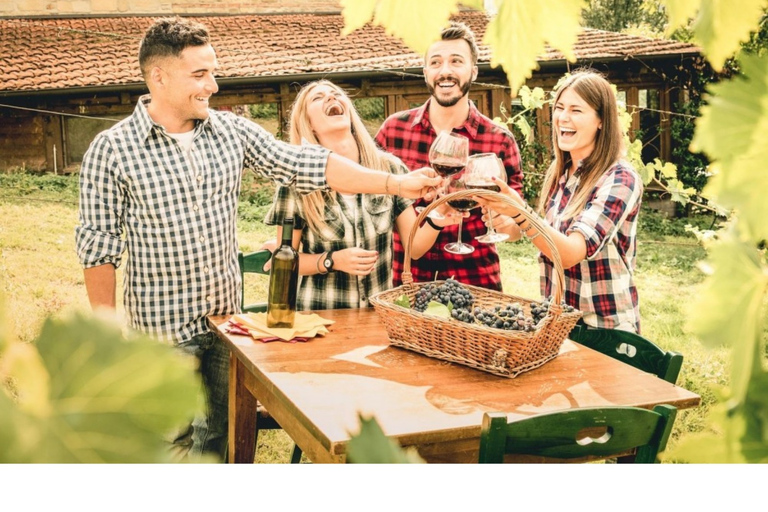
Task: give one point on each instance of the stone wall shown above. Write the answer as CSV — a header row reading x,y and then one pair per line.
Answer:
x,y
124,7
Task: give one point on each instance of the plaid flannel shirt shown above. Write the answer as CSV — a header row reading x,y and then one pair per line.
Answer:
x,y
175,213
409,135
602,285
369,226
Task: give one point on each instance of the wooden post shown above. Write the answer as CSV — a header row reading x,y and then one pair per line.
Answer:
x,y
54,143
665,124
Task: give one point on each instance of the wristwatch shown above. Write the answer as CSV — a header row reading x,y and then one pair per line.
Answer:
x,y
328,261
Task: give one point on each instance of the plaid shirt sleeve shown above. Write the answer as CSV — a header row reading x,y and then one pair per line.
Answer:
x,y
98,234
617,195
284,205
287,164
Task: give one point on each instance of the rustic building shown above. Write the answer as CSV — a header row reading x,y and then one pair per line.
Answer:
x,y
62,79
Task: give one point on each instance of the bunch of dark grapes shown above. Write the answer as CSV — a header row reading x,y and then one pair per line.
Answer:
x,y
540,309
424,296
451,291
510,317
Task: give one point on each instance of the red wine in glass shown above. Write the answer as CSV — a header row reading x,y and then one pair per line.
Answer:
x,y
445,168
462,205
490,186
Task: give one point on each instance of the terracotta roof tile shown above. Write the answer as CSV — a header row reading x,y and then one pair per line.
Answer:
x,y
48,54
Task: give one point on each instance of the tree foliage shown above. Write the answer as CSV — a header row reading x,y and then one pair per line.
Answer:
x,y
619,15
730,132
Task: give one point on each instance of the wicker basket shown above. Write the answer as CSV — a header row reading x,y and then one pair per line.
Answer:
x,y
497,351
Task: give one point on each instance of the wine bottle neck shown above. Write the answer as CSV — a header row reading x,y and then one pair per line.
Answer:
x,y
288,234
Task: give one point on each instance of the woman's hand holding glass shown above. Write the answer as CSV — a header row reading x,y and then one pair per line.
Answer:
x,y
480,173
496,206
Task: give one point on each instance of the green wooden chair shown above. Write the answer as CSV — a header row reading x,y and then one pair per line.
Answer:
x,y
632,349
254,263
559,435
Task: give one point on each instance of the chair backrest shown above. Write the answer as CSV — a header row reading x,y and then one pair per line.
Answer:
x,y
252,262
560,435
632,349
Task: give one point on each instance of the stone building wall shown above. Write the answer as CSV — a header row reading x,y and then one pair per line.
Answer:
x,y
125,7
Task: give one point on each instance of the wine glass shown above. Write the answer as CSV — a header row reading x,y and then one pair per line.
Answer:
x,y
480,169
448,155
456,184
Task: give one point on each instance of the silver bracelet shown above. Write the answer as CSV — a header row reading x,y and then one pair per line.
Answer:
x,y
319,260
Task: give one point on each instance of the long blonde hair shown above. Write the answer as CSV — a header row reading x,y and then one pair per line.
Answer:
x,y
593,88
315,203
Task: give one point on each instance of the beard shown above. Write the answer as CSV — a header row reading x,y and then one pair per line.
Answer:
x,y
451,101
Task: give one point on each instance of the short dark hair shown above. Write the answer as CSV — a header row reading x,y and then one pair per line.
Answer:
x,y
168,37
458,30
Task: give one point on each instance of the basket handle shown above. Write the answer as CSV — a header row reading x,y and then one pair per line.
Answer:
x,y
538,223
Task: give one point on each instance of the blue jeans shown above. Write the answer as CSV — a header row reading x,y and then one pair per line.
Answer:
x,y
209,429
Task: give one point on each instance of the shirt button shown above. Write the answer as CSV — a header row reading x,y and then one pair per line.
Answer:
x,y
208,298
206,269
202,239
195,207
199,177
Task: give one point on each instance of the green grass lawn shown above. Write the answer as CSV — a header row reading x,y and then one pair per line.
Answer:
x,y
40,276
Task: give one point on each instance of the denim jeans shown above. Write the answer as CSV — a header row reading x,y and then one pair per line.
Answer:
x,y
209,429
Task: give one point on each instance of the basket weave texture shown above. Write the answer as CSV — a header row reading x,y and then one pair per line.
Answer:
x,y
500,352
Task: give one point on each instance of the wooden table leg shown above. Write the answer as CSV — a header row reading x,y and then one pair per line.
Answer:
x,y
242,416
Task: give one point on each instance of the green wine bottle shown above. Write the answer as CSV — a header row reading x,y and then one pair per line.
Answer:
x,y
283,281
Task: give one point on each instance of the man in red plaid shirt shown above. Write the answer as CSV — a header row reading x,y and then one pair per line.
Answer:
x,y
449,69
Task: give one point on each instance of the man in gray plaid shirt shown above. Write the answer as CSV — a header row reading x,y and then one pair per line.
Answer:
x,y
163,184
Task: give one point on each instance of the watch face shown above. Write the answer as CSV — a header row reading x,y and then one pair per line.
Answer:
x,y
328,263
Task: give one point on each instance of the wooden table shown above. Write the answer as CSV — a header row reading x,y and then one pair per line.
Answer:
x,y
316,389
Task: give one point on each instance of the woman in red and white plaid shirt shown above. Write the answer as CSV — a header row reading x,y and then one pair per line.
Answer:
x,y
346,239
590,200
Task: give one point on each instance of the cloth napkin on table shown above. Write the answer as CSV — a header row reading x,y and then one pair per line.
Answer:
x,y
305,326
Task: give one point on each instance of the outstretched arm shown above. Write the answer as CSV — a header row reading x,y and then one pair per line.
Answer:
x,y
348,177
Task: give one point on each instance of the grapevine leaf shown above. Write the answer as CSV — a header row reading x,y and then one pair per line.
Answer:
x,y
418,24
729,307
403,301
634,155
520,30
356,14
525,96
755,439
679,192
667,169
647,173
731,131
437,309
525,129
679,12
371,446
110,400
709,447
23,362
721,27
